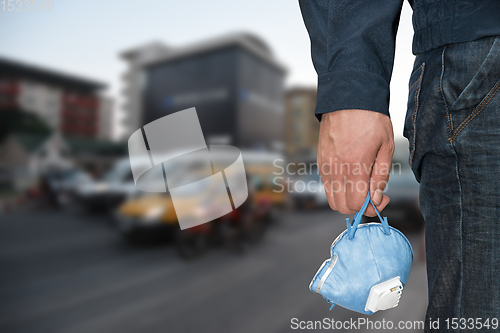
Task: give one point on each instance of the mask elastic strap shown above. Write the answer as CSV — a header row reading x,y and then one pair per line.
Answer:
x,y
351,229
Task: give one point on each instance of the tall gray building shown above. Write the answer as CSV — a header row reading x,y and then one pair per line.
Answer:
x,y
234,82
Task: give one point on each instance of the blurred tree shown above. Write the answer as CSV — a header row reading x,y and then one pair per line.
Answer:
x,y
15,120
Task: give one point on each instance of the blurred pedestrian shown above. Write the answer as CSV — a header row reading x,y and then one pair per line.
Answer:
x,y
48,193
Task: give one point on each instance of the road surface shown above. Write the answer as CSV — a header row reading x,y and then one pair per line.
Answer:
x,y
64,272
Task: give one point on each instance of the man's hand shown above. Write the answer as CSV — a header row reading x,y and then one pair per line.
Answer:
x,y
354,155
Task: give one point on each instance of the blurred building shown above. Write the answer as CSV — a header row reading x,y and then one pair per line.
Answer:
x,y
234,82
133,80
68,104
302,127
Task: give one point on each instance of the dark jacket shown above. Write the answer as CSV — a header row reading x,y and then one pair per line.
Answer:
x,y
352,43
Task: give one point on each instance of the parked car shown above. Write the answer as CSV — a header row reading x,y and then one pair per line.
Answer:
x,y
308,191
61,184
152,215
108,192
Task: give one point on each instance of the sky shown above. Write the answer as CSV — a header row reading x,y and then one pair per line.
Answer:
x,y
85,38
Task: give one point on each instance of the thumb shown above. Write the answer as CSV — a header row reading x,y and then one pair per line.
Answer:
x,y
380,173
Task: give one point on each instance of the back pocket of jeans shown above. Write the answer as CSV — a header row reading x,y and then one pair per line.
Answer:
x,y
415,85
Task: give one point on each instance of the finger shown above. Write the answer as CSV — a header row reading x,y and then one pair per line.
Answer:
x,y
370,211
329,190
380,173
324,177
341,197
357,186
331,203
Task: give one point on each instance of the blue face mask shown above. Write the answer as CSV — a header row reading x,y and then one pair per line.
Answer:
x,y
369,266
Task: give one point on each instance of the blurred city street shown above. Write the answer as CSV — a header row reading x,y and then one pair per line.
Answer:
x,y
91,198
63,272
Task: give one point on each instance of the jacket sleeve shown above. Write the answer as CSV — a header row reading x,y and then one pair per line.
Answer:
x,y
352,48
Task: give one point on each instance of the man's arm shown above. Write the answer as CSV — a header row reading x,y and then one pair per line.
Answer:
x,y
352,47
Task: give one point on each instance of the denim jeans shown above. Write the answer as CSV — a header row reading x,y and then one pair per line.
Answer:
x,y
453,128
